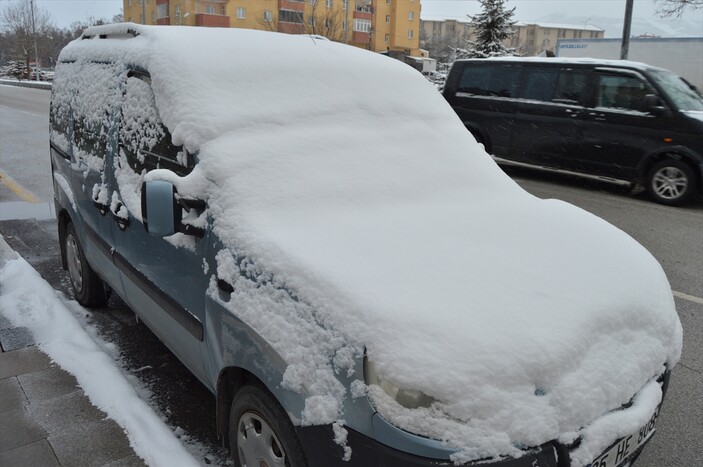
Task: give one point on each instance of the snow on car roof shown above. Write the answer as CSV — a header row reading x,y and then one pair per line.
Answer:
x,y
345,176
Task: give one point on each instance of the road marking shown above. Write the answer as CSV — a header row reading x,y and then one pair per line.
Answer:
x,y
690,298
17,188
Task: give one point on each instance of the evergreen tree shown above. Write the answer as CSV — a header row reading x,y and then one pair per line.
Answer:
x,y
493,25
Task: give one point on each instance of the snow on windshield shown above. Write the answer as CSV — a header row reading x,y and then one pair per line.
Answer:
x,y
358,213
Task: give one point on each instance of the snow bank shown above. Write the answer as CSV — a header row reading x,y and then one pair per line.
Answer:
x,y
358,213
28,301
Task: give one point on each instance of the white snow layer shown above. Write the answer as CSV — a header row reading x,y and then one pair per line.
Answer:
x,y
28,301
343,176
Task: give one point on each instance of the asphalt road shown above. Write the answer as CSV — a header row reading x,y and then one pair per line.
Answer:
x,y
673,235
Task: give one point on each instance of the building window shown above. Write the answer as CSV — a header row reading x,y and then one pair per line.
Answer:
x,y
241,13
562,33
210,9
547,32
545,43
329,3
267,16
362,25
290,16
345,4
311,21
411,15
388,18
577,34
129,2
594,34
388,37
162,10
411,33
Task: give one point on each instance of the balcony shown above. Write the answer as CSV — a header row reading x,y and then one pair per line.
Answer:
x,y
213,21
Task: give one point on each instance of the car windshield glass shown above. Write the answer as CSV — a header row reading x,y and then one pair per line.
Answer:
x,y
680,93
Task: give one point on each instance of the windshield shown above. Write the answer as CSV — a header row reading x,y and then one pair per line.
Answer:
x,y
683,97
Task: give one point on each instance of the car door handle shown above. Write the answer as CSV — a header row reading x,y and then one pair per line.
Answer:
x,y
121,221
102,208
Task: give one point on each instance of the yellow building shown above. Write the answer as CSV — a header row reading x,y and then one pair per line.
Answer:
x,y
388,26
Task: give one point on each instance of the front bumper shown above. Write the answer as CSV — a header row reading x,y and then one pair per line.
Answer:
x,y
321,451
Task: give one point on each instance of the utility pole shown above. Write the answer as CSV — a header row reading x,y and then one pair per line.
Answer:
x,y
625,47
34,35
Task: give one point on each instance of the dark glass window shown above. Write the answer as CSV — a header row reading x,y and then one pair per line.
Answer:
x,y
489,80
571,87
290,16
540,83
621,92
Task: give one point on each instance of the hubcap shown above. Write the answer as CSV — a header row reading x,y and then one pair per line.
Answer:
x,y
75,269
257,444
669,182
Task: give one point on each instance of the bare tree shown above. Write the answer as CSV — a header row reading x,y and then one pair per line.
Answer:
x,y
677,7
320,20
18,18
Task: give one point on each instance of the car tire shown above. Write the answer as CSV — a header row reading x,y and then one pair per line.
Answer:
x,y
88,288
260,432
670,182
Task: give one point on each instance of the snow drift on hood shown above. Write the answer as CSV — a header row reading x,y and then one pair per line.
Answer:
x,y
349,178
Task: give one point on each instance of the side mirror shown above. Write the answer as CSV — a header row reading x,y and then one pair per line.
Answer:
x,y
162,210
161,213
654,105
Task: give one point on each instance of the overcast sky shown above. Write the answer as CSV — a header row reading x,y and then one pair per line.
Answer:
x,y
64,12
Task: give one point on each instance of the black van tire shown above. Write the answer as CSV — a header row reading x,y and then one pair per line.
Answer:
x,y
671,182
253,406
88,289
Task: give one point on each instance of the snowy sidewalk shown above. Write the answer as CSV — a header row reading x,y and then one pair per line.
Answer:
x,y
63,400
45,418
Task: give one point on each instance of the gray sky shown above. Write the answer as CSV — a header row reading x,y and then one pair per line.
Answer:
x,y
64,12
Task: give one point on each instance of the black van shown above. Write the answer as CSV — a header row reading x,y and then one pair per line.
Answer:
x,y
620,120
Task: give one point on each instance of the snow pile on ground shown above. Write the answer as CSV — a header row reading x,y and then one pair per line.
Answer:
x,y
357,212
28,301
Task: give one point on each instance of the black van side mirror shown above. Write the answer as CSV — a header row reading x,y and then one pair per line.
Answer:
x,y
655,106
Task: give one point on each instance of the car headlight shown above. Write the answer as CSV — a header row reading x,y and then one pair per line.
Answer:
x,y
408,398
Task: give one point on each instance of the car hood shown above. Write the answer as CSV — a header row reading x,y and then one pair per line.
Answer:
x,y
525,318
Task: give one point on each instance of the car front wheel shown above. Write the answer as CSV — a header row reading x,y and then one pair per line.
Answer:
x,y
671,182
260,433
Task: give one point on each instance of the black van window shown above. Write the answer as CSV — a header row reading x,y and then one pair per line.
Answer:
x,y
621,92
489,80
540,83
571,87
144,139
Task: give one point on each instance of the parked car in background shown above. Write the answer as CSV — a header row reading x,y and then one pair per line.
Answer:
x,y
620,120
298,221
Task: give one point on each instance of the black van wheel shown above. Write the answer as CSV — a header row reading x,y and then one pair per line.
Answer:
x,y
88,289
260,433
670,182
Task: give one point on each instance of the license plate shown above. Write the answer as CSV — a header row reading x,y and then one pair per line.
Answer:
x,y
625,447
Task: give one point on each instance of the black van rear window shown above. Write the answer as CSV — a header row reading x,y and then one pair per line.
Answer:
x,y
489,80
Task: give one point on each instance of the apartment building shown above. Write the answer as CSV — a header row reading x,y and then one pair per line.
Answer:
x,y
529,38
387,26
536,38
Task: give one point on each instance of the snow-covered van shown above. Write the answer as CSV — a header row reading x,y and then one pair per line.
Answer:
x,y
312,231
622,121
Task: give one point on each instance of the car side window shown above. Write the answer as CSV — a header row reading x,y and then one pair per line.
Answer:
x,y
93,102
539,84
489,80
571,87
144,139
621,92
